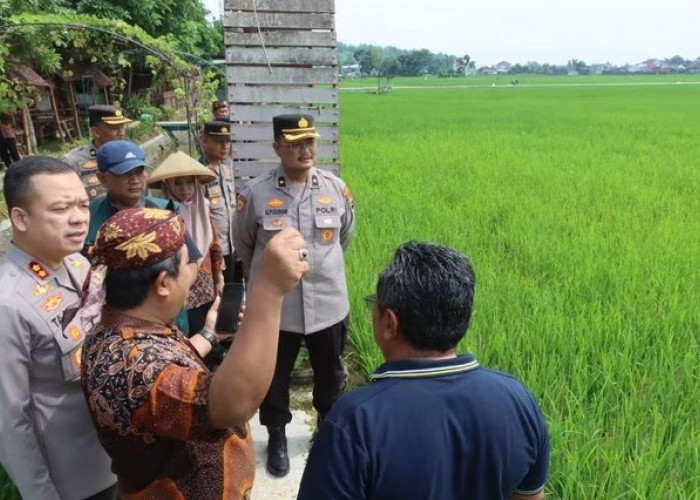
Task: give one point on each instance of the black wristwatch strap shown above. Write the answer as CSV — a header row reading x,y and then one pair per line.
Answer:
x,y
209,336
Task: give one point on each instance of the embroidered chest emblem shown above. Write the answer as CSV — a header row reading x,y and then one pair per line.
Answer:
x,y
53,302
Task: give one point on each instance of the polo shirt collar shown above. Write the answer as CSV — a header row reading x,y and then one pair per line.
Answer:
x,y
423,368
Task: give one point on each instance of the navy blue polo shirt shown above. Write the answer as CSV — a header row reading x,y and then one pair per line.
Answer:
x,y
429,429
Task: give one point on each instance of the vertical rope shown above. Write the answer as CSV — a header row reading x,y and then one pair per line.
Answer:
x,y
262,40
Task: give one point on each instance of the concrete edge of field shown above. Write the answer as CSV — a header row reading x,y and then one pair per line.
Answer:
x,y
299,433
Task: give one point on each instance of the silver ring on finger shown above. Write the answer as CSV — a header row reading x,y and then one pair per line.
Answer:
x,y
303,253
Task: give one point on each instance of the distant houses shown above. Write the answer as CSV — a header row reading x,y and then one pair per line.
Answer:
x,y
650,66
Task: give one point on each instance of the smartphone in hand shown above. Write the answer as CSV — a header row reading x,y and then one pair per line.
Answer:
x,y
231,301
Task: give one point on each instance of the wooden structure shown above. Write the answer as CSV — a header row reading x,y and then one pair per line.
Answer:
x,y
281,57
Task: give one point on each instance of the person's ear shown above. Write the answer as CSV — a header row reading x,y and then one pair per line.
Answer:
x,y
161,285
18,216
102,177
389,325
276,147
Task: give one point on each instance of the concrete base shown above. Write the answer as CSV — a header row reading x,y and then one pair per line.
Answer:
x,y
268,487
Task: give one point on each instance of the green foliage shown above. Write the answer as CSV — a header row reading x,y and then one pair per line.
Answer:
x,y
575,204
141,132
58,39
183,23
390,61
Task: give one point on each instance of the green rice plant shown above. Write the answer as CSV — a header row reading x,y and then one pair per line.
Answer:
x,y
578,207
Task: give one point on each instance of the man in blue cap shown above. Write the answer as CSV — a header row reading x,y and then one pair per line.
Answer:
x,y
122,174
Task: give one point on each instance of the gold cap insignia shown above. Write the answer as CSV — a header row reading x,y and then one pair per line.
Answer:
x,y
303,123
224,130
118,112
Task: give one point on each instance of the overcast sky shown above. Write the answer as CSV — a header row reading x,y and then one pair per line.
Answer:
x,y
517,31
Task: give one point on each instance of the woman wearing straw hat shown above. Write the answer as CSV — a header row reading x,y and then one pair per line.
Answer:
x,y
180,178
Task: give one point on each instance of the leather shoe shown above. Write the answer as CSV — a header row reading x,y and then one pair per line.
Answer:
x,y
277,457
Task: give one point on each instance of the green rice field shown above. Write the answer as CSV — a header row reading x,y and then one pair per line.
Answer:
x,y
578,201
579,206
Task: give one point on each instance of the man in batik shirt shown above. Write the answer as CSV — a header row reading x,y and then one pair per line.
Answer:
x,y
172,428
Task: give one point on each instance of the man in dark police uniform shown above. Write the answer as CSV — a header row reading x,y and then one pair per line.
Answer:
x,y
318,204
106,124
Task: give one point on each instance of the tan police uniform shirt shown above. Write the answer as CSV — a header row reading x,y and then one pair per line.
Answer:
x,y
84,160
48,444
324,215
222,195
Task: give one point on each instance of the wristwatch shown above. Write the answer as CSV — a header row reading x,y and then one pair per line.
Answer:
x,y
209,336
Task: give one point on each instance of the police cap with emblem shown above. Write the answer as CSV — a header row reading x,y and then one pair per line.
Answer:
x,y
218,130
119,157
294,127
103,113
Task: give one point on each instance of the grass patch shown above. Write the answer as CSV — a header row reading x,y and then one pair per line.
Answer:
x,y
576,205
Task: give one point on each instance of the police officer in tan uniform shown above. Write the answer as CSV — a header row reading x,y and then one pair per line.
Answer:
x,y
48,444
319,205
106,124
216,144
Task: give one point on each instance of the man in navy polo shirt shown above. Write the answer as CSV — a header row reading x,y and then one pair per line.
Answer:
x,y
432,424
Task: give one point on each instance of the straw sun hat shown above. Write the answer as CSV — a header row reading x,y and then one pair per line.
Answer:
x,y
180,164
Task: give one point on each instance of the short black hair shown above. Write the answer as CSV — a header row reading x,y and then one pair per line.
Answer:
x,y
128,288
430,287
17,183
218,104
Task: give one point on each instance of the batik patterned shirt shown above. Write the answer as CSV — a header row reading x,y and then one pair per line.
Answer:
x,y
147,390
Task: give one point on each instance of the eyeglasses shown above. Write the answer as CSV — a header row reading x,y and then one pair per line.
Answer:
x,y
371,300
301,145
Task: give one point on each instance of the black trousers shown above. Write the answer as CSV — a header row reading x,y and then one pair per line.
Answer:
x,y
325,353
8,150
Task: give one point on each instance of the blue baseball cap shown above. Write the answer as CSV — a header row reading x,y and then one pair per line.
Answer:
x,y
119,157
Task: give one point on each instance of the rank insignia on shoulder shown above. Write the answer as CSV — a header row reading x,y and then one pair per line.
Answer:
x,y
325,200
281,181
314,181
275,203
78,264
53,302
38,270
240,203
93,152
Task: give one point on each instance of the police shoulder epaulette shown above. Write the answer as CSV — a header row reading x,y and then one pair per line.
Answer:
x,y
258,180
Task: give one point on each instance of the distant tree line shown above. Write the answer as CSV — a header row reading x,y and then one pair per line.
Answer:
x,y
392,61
